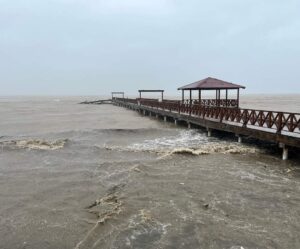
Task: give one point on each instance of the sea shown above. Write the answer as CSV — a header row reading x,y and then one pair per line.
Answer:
x,y
101,176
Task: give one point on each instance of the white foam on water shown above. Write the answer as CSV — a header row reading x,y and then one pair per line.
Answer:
x,y
35,144
189,142
185,139
144,224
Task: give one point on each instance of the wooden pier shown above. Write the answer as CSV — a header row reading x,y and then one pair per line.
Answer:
x,y
103,101
220,114
97,102
277,127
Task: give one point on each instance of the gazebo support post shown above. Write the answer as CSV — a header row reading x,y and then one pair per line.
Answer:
x,y
162,96
191,103
199,97
238,98
182,96
226,97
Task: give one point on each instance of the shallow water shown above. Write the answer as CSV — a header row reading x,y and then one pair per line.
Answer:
x,y
84,176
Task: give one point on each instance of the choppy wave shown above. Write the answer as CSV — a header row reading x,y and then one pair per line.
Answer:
x,y
212,148
104,208
35,144
186,142
143,228
216,148
185,139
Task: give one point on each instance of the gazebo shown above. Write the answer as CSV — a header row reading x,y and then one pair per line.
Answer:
x,y
117,93
215,85
152,91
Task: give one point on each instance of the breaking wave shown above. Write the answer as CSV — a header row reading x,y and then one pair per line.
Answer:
x,y
189,142
35,144
185,138
215,148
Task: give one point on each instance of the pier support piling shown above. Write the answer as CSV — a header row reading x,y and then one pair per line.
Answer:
x,y
156,115
165,118
175,121
239,137
208,132
285,151
189,125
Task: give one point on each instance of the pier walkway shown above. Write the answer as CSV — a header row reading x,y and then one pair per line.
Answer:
x,y
278,127
97,102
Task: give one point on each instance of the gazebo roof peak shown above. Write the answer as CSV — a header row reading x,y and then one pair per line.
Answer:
x,y
210,84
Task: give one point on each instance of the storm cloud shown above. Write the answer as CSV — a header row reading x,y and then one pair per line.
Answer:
x,y
81,47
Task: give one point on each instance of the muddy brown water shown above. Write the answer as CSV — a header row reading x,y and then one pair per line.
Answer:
x,y
84,176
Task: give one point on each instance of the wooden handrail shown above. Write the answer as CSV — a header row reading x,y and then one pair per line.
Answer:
x,y
279,121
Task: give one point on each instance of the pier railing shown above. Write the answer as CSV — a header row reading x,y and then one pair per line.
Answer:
x,y
277,121
212,102
126,100
203,102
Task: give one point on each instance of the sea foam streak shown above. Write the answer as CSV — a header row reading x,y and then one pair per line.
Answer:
x,y
35,144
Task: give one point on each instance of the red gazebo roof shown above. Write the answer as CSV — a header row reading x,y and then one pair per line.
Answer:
x,y
210,84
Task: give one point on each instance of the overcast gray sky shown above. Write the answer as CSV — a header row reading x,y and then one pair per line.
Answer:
x,y
83,47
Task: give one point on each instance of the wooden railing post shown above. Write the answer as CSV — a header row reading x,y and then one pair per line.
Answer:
x,y
279,123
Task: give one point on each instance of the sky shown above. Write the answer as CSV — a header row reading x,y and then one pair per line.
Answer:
x,y
93,47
